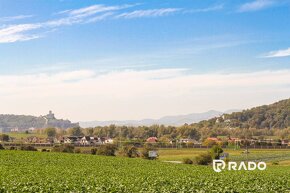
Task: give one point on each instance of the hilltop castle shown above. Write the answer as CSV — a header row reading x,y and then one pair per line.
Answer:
x,y
51,121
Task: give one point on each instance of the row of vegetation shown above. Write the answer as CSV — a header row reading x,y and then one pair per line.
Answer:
x,y
207,157
127,150
163,133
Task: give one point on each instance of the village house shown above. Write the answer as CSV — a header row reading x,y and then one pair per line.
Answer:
x,y
14,130
31,129
285,142
59,140
233,139
33,139
152,140
109,141
188,140
54,140
88,140
213,139
72,140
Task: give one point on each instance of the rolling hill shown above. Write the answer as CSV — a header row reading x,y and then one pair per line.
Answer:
x,y
276,115
24,122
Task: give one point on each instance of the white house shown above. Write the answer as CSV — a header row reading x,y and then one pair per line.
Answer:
x,y
109,141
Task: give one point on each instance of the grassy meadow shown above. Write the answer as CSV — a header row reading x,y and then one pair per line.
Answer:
x,y
267,155
21,135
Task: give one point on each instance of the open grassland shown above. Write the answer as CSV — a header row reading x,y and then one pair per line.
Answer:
x,y
18,136
59,172
267,155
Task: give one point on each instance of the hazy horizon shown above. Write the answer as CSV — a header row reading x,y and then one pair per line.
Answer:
x,y
106,60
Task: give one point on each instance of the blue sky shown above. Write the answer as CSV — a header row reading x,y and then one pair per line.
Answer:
x,y
74,45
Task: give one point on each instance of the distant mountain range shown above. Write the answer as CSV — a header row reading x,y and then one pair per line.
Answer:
x,y
167,120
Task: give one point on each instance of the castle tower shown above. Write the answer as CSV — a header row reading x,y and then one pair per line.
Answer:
x,y
50,115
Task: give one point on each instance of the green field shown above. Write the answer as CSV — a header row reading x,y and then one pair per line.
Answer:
x,y
19,136
59,172
267,155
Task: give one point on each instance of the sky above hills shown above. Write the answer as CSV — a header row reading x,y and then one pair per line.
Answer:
x,y
120,60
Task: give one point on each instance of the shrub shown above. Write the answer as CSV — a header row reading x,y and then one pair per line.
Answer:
x,y
44,150
13,148
77,150
129,151
203,159
227,160
108,150
66,148
4,137
94,151
187,161
27,148
86,151
1,147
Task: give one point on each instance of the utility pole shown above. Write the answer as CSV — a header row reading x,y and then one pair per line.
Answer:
x,y
247,149
120,143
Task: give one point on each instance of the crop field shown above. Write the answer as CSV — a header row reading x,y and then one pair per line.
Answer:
x,y
59,172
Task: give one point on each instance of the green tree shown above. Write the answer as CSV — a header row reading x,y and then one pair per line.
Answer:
x,y
129,151
216,151
4,137
50,132
66,148
108,150
209,143
203,159
75,131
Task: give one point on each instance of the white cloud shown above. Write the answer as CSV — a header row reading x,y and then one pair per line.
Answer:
x,y
207,9
256,5
94,13
15,33
277,53
89,14
148,13
100,17
24,32
131,94
13,18
92,10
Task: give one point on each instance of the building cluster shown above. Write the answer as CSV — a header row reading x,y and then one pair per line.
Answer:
x,y
74,140
250,142
182,140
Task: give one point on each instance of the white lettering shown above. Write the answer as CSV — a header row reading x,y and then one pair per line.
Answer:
x,y
264,166
219,165
242,165
252,166
232,165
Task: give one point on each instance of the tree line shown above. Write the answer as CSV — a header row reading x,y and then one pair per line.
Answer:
x,y
166,133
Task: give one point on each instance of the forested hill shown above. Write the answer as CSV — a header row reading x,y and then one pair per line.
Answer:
x,y
23,122
275,115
